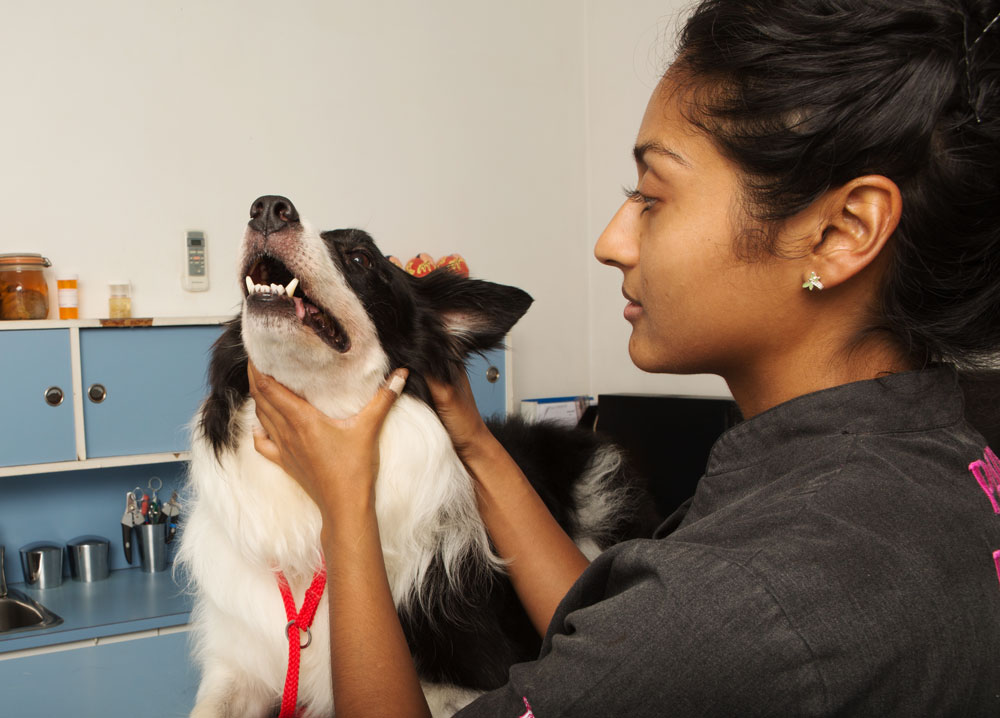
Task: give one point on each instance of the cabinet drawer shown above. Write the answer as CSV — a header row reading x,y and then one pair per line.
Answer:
x,y
31,430
153,380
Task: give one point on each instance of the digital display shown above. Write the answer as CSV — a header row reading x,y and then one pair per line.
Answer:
x,y
196,242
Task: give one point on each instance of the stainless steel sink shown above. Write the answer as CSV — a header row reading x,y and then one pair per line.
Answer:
x,y
19,612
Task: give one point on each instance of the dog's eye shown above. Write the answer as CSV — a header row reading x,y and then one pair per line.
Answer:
x,y
359,256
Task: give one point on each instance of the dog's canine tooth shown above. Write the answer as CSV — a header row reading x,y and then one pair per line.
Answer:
x,y
249,285
292,285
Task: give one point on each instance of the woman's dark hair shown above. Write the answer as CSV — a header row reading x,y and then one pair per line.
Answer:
x,y
806,95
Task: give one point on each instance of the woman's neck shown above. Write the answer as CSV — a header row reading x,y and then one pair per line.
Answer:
x,y
757,388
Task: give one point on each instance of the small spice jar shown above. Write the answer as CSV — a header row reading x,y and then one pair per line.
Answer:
x,y
120,301
69,297
24,293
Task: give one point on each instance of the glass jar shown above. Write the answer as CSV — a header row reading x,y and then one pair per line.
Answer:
x,y
120,300
24,293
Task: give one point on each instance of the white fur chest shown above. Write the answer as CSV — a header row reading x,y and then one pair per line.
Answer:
x,y
270,522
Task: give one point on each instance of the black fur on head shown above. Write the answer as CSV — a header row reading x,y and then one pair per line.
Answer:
x,y
429,325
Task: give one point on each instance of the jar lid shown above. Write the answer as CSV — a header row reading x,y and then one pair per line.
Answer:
x,y
67,276
24,258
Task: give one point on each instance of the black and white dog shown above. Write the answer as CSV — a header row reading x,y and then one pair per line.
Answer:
x,y
328,316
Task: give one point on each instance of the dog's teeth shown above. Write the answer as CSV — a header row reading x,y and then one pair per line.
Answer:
x,y
292,285
249,285
277,289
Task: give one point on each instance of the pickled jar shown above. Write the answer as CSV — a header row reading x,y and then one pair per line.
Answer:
x,y
120,300
24,293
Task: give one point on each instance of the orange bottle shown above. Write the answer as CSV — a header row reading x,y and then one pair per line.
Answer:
x,y
69,298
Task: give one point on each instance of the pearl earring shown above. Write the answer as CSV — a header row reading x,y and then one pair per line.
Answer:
x,y
812,282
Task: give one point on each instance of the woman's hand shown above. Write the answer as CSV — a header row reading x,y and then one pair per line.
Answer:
x,y
456,407
334,460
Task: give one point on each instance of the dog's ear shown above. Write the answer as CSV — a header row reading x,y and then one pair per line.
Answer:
x,y
475,314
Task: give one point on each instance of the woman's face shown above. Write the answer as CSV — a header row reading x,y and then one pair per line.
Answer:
x,y
693,304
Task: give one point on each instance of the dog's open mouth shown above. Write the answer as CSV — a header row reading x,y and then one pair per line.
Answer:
x,y
271,286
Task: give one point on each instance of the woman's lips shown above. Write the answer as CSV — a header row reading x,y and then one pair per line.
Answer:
x,y
633,309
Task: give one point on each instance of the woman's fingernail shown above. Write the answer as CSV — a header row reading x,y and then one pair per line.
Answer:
x,y
397,383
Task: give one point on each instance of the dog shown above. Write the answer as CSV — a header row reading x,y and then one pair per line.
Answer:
x,y
327,315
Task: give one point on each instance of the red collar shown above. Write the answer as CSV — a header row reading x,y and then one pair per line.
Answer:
x,y
303,620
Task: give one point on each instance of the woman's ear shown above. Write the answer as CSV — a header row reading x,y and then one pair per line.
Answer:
x,y
859,218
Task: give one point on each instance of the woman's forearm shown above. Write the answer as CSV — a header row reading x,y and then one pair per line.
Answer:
x,y
543,561
373,672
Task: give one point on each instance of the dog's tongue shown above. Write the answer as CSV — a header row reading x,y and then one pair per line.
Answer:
x,y
300,309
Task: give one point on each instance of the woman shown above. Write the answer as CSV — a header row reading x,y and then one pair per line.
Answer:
x,y
817,220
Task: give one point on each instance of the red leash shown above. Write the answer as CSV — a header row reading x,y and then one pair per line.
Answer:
x,y
302,620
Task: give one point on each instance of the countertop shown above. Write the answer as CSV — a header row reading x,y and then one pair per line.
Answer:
x,y
127,601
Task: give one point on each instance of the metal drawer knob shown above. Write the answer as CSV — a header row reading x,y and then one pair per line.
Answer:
x,y
97,393
492,375
54,396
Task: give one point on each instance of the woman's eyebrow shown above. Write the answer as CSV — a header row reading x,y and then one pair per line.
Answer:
x,y
640,150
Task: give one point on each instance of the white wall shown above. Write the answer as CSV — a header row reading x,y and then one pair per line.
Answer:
x,y
498,130
627,52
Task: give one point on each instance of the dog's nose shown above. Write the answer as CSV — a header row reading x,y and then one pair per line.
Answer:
x,y
271,213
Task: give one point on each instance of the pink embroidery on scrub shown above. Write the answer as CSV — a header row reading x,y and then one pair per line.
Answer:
x,y
529,714
996,560
987,473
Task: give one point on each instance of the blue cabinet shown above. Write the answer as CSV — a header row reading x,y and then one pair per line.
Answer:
x,y
142,387
488,377
145,677
78,395
132,392
36,426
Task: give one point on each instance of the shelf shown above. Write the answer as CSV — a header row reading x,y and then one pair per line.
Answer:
x,y
9,324
134,460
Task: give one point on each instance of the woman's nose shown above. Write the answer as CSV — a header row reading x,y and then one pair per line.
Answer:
x,y
618,245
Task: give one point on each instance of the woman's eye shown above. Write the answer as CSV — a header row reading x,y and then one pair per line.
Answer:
x,y
360,257
634,195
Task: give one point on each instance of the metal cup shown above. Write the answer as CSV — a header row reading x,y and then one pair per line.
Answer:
x,y
151,540
42,563
88,558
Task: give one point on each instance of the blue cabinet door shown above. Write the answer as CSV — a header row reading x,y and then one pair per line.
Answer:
x,y
31,430
489,387
154,380
142,678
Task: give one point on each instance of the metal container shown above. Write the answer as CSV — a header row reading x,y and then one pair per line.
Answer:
x,y
88,558
42,563
24,292
152,542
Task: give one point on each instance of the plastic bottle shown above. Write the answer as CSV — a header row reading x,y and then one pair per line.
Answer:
x,y
69,297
